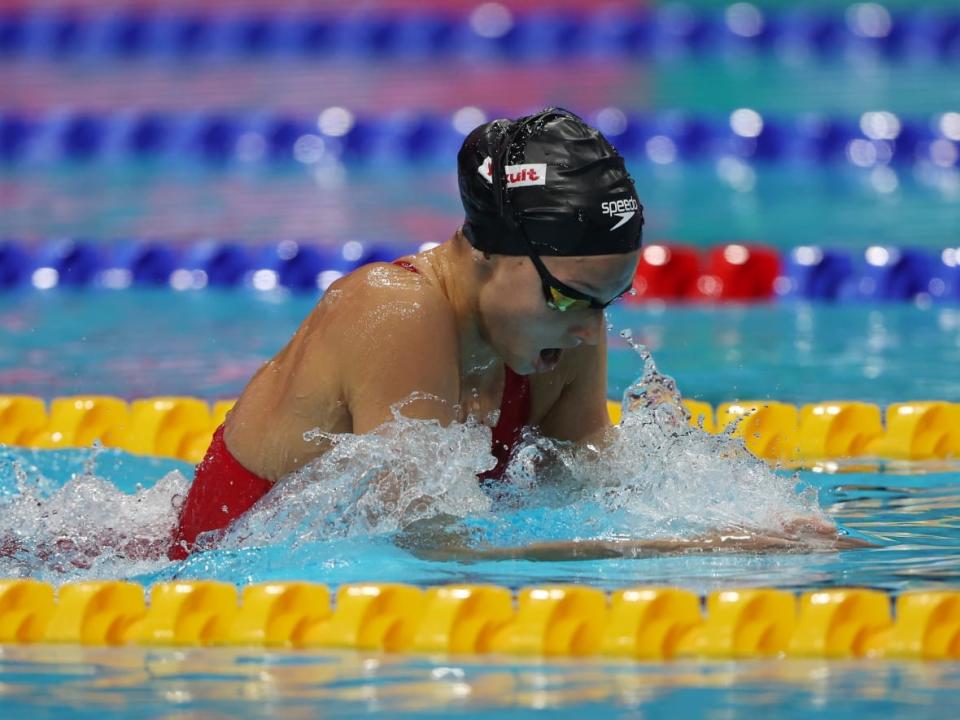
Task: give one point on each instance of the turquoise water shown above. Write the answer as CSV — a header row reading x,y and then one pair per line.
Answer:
x,y
782,204
133,683
911,86
911,516
140,343
209,343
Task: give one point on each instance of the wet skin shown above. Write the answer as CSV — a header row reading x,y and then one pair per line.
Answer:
x,y
383,332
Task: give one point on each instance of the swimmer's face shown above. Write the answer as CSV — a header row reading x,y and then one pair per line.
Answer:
x,y
529,334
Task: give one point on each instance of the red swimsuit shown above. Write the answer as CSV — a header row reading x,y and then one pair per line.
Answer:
x,y
223,489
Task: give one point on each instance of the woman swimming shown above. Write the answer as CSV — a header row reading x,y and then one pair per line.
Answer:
x,y
503,321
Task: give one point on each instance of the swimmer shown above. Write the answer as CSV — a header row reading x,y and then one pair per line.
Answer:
x,y
504,319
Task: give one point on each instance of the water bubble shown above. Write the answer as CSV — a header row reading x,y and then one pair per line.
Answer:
x,y
86,528
405,471
652,476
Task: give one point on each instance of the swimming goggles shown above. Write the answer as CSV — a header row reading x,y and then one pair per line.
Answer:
x,y
562,297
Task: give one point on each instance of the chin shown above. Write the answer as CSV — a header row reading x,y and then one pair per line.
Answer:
x,y
520,364
522,367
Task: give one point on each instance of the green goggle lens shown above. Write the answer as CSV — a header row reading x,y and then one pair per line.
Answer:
x,y
559,301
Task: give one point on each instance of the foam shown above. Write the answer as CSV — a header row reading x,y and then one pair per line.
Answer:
x,y
405,471
653,476
86,528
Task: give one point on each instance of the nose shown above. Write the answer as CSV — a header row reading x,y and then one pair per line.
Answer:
x,y
590,329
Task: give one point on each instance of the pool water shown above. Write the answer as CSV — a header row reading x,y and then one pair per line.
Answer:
x,y
911,516
209,343
783,204
137,343
218,683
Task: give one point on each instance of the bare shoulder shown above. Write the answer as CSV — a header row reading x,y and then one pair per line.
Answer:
x,y
393,333
388,309
383,296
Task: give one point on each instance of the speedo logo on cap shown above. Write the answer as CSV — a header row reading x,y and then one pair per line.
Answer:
x,y
517,175
623,209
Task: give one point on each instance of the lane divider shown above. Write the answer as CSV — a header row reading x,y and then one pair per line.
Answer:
x,y
735,272
220,139
831,430
487,31
645,623
174,427
181,427
78,263
744,272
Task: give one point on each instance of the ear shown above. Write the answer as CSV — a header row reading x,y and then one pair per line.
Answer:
x,y
484,260
483,263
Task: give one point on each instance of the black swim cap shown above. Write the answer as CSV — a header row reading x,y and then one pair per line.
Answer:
x,y
551,178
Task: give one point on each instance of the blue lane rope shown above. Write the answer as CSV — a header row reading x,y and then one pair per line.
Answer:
x,y
874,274
486,32
220,138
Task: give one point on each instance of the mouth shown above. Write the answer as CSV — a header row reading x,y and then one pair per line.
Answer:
x,y
548,359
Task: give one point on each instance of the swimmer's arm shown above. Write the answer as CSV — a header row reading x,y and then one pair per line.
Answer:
x,y
580,413
442,538
569,550
396,342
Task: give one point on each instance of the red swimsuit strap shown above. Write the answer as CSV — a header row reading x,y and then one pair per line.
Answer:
x,y
407,265
514,414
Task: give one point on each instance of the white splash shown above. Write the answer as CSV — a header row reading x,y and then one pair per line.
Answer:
x,y
86,528
653,476
380,482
